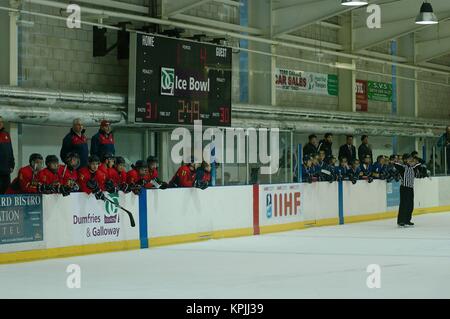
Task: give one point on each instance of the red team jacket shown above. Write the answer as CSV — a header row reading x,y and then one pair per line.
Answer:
x,y
116,177
47,177
206,177
134,178
25,182
184,177
84,175
66,175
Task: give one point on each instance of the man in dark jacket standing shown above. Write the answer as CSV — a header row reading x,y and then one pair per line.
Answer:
x,y
103,142
311,146
347,150
326,145
6,158
364,149
76,142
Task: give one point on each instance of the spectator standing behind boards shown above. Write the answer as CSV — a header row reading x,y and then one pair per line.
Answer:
x,y
326,145
348,150
311,147
6,158
76,142
444,142
103,142
364,149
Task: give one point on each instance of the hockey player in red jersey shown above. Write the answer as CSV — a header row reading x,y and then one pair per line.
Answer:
x,y
185,176
203,176
91,179
107,167
152,163
107,164
27,180
139,177
68,174
49,181
118,175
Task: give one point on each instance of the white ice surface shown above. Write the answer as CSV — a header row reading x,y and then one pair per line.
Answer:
x,y
327,262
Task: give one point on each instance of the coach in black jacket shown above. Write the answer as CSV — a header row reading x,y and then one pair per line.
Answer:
x,y
348,150
364,149
311,146
326,145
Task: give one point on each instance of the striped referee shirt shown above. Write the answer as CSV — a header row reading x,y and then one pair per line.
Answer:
x,y
407,174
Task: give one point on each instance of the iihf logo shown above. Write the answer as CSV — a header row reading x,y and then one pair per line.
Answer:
x,y
269,206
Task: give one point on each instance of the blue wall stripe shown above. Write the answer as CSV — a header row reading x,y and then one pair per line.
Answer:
x,y
143,233
341,202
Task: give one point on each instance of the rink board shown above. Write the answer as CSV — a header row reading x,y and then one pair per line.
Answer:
x,y
285,207
79,224
365,202
191,214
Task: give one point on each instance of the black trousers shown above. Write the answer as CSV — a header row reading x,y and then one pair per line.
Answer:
x,y
406,205
5,180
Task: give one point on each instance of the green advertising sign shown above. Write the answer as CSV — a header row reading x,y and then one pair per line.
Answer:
x,y
333,85
379,91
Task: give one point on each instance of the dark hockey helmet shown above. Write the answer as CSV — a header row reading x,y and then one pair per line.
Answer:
x,y
139,165
120,160
34,157
93,159
107,156
152,159
51,159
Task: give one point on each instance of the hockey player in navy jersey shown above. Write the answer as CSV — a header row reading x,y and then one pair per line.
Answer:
x,y
367,169
308,170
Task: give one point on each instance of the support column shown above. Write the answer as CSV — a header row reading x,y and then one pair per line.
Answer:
x,y
164,152
13,80
13,46
347,78
407,90
4,48
260,66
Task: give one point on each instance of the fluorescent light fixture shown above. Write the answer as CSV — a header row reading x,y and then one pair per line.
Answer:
x,y
426,15
345,66
354,3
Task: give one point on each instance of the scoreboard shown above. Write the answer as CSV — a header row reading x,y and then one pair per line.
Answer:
x,y
176,82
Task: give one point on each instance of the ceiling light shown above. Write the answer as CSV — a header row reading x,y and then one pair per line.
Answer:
x,y
426,15
353,3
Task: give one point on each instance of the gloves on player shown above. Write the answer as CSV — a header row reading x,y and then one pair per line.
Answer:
x,y
124,187
110,187
93,185
99,195
136,188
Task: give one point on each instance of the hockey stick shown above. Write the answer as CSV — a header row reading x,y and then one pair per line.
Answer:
x,y
130,215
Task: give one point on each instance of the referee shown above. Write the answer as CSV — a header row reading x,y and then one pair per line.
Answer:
x,y
406,190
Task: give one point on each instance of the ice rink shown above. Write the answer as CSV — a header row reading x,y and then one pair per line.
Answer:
x,y
326,262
